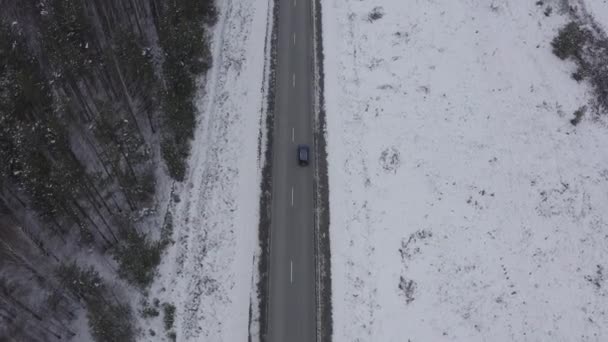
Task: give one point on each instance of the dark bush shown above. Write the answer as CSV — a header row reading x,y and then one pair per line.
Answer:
x,y
579,74
166,231
587,46
169,315
570,41
149,312
84,284
599,80
108,320
175,159
375,14
137,257
578,115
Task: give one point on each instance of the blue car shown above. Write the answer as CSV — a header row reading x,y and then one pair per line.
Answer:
x,y
303,155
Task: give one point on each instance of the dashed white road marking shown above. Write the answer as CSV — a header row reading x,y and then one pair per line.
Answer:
x,y
294,39
293,80
293,134
290,271
292,196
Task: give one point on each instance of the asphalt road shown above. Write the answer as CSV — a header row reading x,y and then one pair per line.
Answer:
x,y
292,268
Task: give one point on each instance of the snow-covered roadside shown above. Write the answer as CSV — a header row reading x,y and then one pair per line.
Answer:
x,y
208,273
464,205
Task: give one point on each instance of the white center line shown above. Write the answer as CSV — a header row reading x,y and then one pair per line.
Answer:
x,y
290,271
294,39
293,80
292,196
293,134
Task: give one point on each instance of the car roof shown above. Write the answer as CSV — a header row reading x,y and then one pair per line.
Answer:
x,y
303,152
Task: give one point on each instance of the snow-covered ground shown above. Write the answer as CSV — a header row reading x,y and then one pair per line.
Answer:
x,y
597,8
464,204
208,274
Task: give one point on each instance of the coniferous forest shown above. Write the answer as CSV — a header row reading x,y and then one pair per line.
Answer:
x,y
96,113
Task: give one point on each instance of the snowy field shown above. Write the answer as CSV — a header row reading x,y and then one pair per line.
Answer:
x,y
208,274
464,205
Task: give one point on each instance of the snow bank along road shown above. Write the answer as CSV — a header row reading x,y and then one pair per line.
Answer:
x,y
292,270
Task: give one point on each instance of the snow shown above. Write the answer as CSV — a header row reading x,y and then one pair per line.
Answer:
x,y
80,327
598,9
208,273
464,205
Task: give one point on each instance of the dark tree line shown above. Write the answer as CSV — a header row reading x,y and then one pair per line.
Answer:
x,y
186,55
95,97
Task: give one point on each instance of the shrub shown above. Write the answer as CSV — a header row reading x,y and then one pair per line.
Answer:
x,y
169,315
137,258
175,159
110,322
408,288
167,230
570,41
85,284
149,312
375,14
578,115
579,74
587,47
599,80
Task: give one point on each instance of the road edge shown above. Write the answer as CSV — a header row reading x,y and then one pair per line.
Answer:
x,y
321,187
266,181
